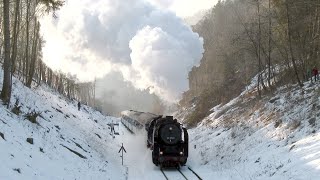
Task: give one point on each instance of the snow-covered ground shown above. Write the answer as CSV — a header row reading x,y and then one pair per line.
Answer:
x,y
61,129
276,137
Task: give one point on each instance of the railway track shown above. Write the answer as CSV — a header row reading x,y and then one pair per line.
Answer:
x,y
185,173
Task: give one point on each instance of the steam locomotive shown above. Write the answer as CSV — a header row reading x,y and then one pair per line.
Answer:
x,y
168,141
166,137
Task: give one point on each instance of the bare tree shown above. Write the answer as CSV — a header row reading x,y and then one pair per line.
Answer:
x,y
15,34
290,43
6,88
34,53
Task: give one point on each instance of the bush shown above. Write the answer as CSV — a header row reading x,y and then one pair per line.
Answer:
x,y
312,122
277,123
294,124
16,109
32,116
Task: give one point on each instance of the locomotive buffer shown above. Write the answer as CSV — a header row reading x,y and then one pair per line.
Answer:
x,y
122,149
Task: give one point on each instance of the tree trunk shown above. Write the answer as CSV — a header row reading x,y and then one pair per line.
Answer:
x,y
40,70
290,45
15,35
6,88
50,77
27,43
259,50
34,54
269,46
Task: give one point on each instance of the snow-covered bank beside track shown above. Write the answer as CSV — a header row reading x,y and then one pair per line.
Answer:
x,y
67,143
276,137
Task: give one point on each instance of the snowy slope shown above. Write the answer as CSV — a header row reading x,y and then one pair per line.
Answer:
x,y
61,133
276,137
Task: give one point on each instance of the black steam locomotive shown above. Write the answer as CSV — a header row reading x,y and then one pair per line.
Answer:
x,y
166,137
168,141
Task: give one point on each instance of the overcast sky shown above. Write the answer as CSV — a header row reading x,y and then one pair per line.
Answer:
x,y
145,40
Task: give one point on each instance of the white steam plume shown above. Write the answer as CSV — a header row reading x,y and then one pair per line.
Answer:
x,y
185,8
152,47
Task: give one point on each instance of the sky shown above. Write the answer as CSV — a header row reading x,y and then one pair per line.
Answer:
x,y
147,41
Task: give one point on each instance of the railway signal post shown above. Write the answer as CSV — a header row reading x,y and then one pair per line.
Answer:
x,y
122,149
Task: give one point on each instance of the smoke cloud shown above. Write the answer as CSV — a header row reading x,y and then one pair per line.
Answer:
x,y
152,47
185,8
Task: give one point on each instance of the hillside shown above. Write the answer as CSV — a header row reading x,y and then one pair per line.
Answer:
x,y
245,38
275,137
67,143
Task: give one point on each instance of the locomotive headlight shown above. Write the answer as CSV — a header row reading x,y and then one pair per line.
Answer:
x,y
181,153
161,152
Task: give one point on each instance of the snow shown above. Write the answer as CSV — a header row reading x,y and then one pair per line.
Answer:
x,y
275,137
240,140
60,124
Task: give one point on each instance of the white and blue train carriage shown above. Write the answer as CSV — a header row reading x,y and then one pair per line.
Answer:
x,y
134,121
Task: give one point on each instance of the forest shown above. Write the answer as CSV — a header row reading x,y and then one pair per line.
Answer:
x,y
21,51
277,40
